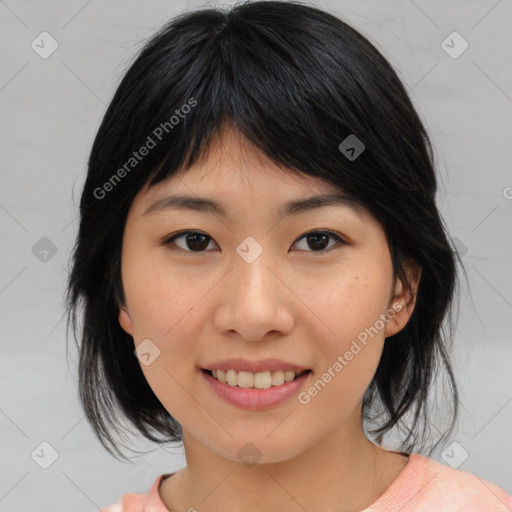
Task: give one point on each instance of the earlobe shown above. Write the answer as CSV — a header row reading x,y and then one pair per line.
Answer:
x,y
125,321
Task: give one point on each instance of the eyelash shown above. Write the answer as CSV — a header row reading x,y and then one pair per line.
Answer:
x,y
170,240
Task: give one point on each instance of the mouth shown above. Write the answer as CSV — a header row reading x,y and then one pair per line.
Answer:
x,y
249,380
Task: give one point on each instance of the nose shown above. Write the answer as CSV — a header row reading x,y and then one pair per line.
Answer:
x,y
254,300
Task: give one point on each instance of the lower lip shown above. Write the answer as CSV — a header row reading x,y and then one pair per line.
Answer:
x,y
255,399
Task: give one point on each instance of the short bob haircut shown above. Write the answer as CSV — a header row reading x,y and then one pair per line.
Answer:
x,y
295,81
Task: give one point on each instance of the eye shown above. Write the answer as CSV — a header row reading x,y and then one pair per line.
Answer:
x,y
317,240
194,241
198,242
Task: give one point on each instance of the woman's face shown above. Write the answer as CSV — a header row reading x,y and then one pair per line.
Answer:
x,y
254,288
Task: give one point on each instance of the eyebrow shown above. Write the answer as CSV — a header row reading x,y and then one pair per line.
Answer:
x,y
202,204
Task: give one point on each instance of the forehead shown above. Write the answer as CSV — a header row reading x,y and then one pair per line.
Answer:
x,y
232,174
233,161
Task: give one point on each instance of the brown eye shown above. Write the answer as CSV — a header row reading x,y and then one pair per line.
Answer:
x,y
193,241
197,242
318,241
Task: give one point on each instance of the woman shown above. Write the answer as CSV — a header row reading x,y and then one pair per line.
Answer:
x,y
264,271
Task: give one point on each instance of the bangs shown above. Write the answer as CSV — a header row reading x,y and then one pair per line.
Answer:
x,y
291,95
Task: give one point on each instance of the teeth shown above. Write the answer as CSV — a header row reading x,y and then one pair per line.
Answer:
x,y
231,377
289,376
260,380
277,378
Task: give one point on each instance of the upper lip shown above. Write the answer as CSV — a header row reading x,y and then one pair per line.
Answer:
x,y
262,365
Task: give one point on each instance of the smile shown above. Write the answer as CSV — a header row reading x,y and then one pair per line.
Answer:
x,y
250,397
259,380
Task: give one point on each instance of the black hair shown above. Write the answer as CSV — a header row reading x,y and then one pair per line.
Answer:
x,y
295,81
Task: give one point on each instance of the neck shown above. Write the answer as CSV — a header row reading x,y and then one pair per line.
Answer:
x,y
345,471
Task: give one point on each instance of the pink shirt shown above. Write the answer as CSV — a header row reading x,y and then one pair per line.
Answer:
x,y
424,485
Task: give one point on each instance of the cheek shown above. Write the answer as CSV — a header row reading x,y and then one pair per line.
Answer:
x,y
159,298
350,308
164,309
167,306
353,343
352,302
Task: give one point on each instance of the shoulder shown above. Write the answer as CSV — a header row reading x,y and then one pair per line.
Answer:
x,y
133,502
436,486
128,501
140,502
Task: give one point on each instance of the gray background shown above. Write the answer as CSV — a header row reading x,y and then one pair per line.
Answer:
x,y
50,110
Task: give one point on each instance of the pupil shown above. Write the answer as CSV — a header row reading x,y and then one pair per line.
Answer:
x,y
201,246
315,237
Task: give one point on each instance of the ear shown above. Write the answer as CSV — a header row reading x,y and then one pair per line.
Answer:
x,y
404,300
125,321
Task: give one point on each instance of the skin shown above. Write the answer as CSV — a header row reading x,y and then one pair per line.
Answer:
x,y
201,307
